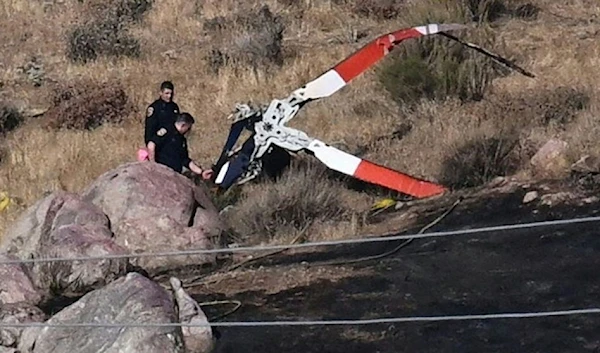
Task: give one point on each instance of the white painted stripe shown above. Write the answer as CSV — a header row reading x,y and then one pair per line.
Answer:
x,y
222,173
428,29
334,158
324,85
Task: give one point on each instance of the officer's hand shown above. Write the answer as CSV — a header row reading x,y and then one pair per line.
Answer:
x,y
207,174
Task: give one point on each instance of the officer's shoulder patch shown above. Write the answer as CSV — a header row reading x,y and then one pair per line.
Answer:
x,y
161,132
149,111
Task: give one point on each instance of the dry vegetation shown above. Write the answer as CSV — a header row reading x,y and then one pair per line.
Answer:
x,y
431,108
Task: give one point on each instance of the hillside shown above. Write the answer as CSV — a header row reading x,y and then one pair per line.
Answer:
x,y
538,269
78,75
432,109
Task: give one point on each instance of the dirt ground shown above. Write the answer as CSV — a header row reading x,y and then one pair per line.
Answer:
x,y
537,269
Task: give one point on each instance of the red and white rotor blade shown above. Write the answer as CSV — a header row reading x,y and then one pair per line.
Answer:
x,y
357,63
370,172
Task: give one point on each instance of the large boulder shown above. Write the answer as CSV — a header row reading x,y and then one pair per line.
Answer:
x,y
63,225
155,209
130,299
198,339
15,284
551,159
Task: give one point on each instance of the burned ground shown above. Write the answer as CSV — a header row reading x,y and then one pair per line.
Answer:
x,y
528,270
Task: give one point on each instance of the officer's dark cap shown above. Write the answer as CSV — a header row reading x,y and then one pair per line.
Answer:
x,y
185,118
167,85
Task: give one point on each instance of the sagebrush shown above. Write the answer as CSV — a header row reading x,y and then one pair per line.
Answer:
x,y
86,105
302,195
106,32
253,38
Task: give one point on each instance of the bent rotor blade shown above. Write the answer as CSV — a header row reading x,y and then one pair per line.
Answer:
x,y
370,172
495,57
357,63
235,131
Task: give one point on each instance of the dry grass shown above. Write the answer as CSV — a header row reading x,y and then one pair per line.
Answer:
x,y
559,44
306,196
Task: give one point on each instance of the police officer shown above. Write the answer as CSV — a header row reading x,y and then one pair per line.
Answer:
x,y
169,147
161,112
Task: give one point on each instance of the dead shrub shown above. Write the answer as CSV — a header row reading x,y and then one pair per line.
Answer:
x,y
557,106
500,150
493,10
10,118
486,10
292,3
87,105
526,11
301,196
123,10
378,9
249,38
106,33
101,38
477,161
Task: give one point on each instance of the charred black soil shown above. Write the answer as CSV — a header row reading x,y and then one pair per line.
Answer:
x,y
527,270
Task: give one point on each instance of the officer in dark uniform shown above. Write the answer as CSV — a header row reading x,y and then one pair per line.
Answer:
x,y
161,112
168,146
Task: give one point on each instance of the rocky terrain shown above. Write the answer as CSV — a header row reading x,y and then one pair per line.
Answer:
x,y
125,211
75,81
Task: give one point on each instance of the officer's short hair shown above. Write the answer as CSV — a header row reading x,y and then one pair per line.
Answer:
x,y
186,118
167,85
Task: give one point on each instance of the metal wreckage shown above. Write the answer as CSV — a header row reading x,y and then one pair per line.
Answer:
x,y
271,141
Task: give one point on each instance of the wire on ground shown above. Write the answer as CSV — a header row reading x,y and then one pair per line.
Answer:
x,y
313,323
311,244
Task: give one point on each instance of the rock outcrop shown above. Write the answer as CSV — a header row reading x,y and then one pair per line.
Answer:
x,y
198,339
130,299
15,284
139,207
551,159
18,313
154,209
63,225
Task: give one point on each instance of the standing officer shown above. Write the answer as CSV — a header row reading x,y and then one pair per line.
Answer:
x,y
161,112
169,147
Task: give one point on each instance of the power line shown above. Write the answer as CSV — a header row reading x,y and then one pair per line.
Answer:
x,y
312,323
311,244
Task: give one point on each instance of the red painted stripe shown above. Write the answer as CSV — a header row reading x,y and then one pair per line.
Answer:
x,y
395,180
368,55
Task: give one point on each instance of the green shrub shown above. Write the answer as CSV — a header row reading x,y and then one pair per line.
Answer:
x,y
435,67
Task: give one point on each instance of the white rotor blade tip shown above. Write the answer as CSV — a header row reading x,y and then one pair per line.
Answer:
x,y
428,29
222,173
334,158
434,28
324,85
